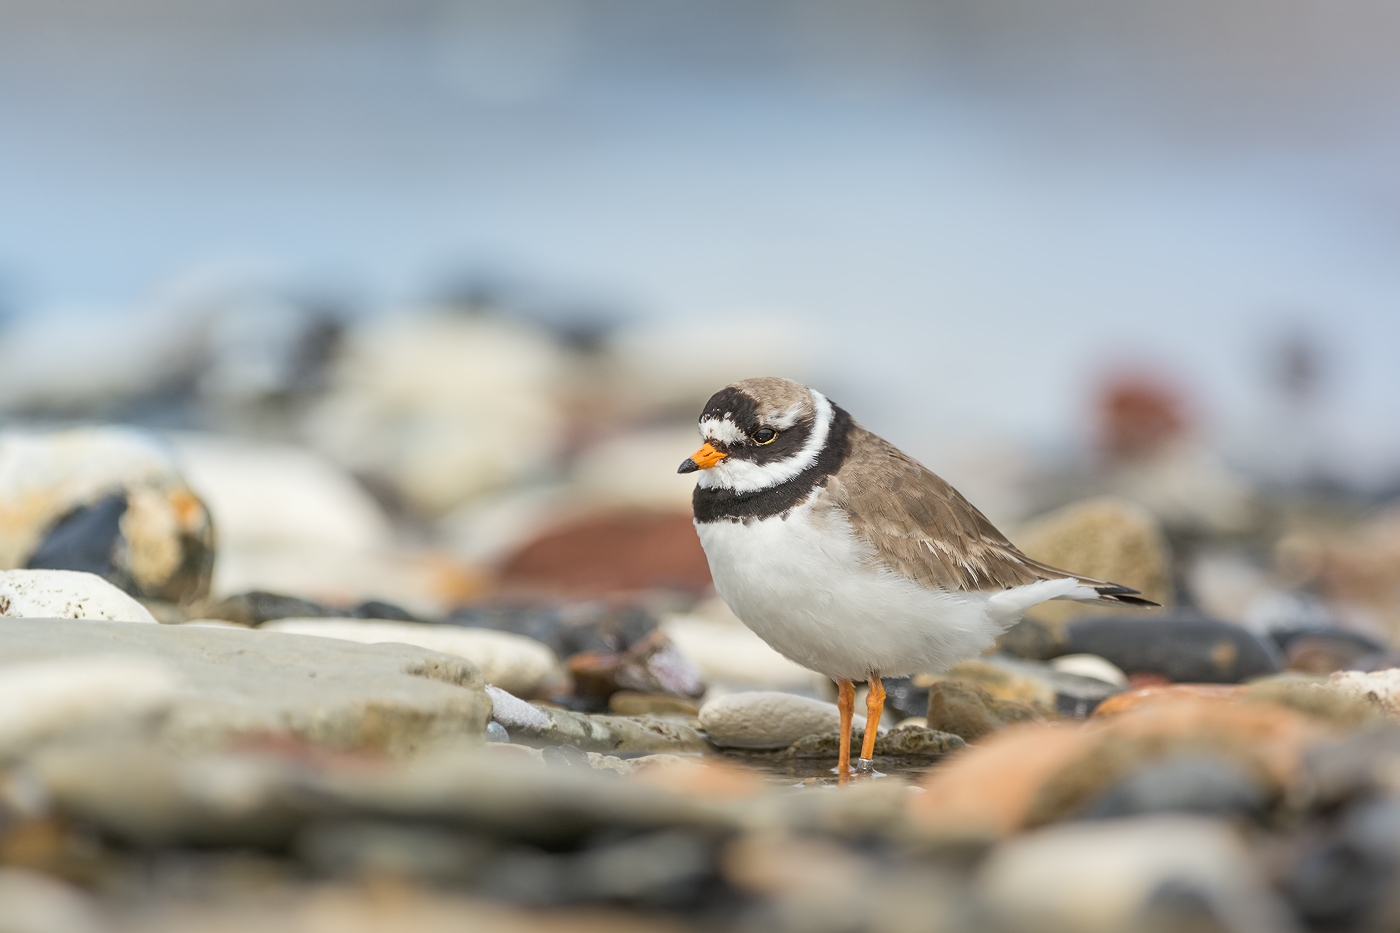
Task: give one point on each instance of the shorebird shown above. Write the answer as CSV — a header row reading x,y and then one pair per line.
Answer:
x,y
847,555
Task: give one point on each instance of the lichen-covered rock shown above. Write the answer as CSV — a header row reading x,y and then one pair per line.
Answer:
x,y
768,719
902,742
516,664
1107,539
970,712
1379,688
65,594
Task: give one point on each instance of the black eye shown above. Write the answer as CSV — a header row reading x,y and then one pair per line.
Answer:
x,y
764,436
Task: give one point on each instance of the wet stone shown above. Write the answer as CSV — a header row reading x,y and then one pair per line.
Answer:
x,y
537,726
903,742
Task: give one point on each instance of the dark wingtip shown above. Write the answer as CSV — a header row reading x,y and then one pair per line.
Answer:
x,y
1124,594
689,466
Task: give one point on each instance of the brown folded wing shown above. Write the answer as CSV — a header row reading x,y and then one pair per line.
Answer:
x,y
922,528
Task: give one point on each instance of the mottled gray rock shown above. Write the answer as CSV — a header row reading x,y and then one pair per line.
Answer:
x,y
1104,877
239,683
537,726
765,719
516,663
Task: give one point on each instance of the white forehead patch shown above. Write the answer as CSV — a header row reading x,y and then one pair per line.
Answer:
x,y
720,429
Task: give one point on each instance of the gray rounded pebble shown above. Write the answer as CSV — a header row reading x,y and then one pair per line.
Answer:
x,y
495,732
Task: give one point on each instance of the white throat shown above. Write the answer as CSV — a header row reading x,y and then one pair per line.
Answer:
x,y
747,476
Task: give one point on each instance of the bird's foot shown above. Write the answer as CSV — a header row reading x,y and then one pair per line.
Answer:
x,y
866,766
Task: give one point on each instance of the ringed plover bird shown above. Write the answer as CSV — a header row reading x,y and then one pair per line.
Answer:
x,y
847,555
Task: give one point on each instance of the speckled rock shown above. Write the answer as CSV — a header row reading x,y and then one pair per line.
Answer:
x,y
516,664
237,684
539,726
1379,688
1107,539
65,594
767,719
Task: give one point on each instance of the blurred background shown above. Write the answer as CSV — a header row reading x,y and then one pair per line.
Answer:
x,y
422,298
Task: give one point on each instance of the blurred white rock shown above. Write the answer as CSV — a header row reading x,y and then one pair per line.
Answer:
x,y
518,665
1380,688
1098,877
40,699
276,495
1090,665
442,406
638,468
66,594
491,527
35,902
729,654
767,719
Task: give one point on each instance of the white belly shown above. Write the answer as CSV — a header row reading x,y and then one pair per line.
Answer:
x,y
809,587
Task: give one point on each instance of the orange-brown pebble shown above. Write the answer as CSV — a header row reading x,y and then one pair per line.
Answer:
x,y
1131,699
987,789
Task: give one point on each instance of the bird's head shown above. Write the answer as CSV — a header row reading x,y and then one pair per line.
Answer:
x,y
758,433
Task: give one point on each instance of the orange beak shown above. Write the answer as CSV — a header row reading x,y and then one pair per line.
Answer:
x,y
702,459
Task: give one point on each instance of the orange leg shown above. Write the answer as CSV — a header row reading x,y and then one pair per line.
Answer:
x,y
846,703
874,707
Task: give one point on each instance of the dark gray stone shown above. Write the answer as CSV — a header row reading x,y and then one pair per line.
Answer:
x,y
1203,785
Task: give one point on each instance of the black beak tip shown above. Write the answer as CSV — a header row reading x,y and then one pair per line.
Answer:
x,y
689,466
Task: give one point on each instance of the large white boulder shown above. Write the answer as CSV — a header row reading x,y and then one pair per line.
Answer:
x,y
66,594
442,406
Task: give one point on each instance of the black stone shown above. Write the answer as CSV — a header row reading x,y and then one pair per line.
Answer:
x,y
1348,877
1184,648
86,538
375,609
258,606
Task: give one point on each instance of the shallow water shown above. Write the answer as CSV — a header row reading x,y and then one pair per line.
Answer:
x,y
782,770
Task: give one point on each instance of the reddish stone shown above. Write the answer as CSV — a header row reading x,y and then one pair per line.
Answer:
x,y
1122,702
610,553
